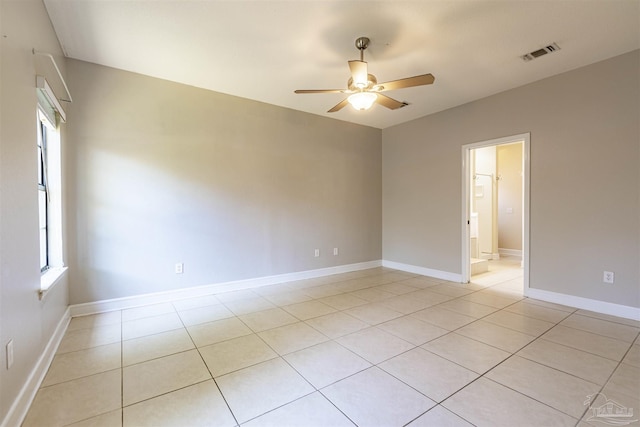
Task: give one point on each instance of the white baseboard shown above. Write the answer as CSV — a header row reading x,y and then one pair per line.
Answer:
x,y
438,274
21,404
198,291
510,252
585,303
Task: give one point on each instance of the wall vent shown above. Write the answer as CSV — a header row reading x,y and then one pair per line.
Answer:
x,y
540,52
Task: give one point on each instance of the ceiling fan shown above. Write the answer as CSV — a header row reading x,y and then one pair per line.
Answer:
x,y
364,88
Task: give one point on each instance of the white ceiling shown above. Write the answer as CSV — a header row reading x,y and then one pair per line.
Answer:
x,y
264,49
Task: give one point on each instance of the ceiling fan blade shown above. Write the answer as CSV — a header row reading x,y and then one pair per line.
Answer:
x,y
390,103
359,73
339,106
319,91
424,79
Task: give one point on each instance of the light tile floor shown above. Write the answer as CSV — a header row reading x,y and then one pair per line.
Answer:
x,y
370,348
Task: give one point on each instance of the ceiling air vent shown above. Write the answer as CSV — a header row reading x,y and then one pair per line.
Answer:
x,y
540,52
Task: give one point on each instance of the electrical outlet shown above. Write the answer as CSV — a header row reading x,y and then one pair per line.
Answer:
x,y
179,268
608,277
335,251
9,354
316,253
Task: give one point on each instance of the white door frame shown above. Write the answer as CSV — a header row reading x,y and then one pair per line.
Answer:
x,y
525,138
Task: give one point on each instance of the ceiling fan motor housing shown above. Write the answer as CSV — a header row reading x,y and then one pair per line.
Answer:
x,y
371,83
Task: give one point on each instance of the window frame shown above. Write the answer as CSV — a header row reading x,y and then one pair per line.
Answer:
x,y
49,180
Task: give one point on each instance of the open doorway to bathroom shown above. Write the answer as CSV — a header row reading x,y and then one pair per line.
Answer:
x,y
495,239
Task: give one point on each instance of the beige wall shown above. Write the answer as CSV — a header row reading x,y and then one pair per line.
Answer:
x,y
25,319
510,196
585,179
235,189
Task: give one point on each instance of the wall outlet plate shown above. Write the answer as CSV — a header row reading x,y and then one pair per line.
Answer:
x,y
608,277
179,268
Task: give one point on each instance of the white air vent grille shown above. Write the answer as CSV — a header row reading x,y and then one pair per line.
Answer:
x,y
540,52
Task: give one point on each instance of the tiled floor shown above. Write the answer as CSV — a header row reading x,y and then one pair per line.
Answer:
x,y
372,348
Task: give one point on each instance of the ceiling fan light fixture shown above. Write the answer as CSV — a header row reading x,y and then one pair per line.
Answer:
x,y
362,100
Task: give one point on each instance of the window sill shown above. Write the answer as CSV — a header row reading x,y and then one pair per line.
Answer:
x,y
49,279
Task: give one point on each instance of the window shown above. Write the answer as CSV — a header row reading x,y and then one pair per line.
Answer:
x,y
49,114
49,200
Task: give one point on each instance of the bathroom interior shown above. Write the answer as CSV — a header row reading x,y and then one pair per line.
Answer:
x,y
496,218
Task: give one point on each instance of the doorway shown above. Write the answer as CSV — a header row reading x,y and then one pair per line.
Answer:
x,y
495,229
